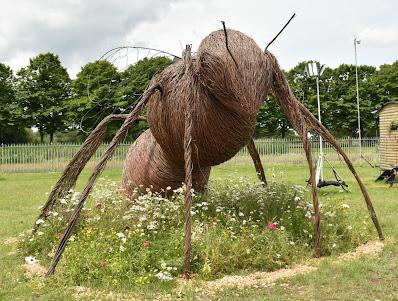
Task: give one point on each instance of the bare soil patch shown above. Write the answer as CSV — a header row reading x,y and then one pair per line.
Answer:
x,y
370,248
11,240
34,269
257,279
269,278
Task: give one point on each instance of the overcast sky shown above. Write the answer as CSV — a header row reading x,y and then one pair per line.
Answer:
x,y
81,31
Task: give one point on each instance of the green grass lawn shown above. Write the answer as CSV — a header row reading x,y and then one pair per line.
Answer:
x,y
367,278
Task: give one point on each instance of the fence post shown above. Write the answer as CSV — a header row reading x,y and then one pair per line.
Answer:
x,y
44,157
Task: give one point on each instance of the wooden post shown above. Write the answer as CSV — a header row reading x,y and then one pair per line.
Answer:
x,y
188,171
257,161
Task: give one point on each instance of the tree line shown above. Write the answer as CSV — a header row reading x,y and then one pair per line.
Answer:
x,y
338,99
43,96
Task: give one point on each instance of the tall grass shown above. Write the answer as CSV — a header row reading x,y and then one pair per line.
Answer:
x,y
237,227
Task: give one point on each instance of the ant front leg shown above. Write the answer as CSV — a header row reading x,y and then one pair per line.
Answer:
x,y
251,147
72,171
132,117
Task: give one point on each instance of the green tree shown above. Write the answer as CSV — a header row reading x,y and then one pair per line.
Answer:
x,y
8,106
43,90
271,121
304,88
100,90
343,108
337,89
93,95
135,79
11,117
386,82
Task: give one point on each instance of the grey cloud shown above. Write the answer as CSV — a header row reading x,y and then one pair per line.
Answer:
x,y
80,31
72,29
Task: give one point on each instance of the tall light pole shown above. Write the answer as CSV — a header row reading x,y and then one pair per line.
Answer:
x,y
316,70
357,41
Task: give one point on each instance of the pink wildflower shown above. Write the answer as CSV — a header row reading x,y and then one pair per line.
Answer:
x,y
146,244
272,226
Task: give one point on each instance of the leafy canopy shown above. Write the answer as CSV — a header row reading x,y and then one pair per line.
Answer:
x,y
44,90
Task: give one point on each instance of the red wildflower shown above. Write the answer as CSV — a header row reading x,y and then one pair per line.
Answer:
x,y
98,206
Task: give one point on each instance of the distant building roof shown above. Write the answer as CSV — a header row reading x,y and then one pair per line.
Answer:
x,y
388,104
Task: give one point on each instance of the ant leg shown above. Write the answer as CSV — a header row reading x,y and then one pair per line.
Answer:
x,y
251,147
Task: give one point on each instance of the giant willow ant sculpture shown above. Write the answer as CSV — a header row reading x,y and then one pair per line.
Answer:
x,y
201,110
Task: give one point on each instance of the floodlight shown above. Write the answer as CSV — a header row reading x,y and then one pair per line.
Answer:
x,y
307,71
314,69
321,69
357,41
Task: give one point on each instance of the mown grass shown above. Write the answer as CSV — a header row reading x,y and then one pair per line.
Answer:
x,y
365,279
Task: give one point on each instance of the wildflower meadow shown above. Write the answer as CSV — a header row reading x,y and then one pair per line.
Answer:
x,y
238,227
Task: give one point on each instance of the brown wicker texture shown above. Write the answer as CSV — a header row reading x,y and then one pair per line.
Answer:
x,y
226,99
147,165
201,111
226,86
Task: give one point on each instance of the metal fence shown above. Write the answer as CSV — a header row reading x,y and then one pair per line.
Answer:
x,y
42,158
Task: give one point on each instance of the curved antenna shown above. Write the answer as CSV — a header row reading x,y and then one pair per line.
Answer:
x,y
122,57
138,47
283,28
